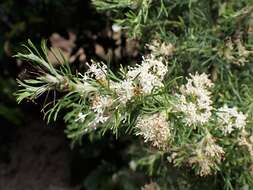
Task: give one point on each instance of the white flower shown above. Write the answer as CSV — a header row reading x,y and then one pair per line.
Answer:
x,y
95,71
230,119
154,129
99,106
195,101
159,48
99,103
100,119
148,82
149,74
124,90
200,81
246,139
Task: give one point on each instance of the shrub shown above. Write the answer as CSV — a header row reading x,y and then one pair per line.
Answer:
x,y
189,99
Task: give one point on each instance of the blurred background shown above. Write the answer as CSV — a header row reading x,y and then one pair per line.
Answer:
x,y
35,155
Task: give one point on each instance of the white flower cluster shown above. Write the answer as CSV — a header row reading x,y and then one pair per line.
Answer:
x,y
230,119
158,48
99,106
211,149
206,156
195,101
246,140
142,79
124,90
97,71
149,74
154,129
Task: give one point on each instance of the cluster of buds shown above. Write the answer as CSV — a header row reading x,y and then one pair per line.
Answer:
x,y
235,52
206,156
154,129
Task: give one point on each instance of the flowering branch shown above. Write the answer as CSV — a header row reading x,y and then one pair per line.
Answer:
x,y
182,122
